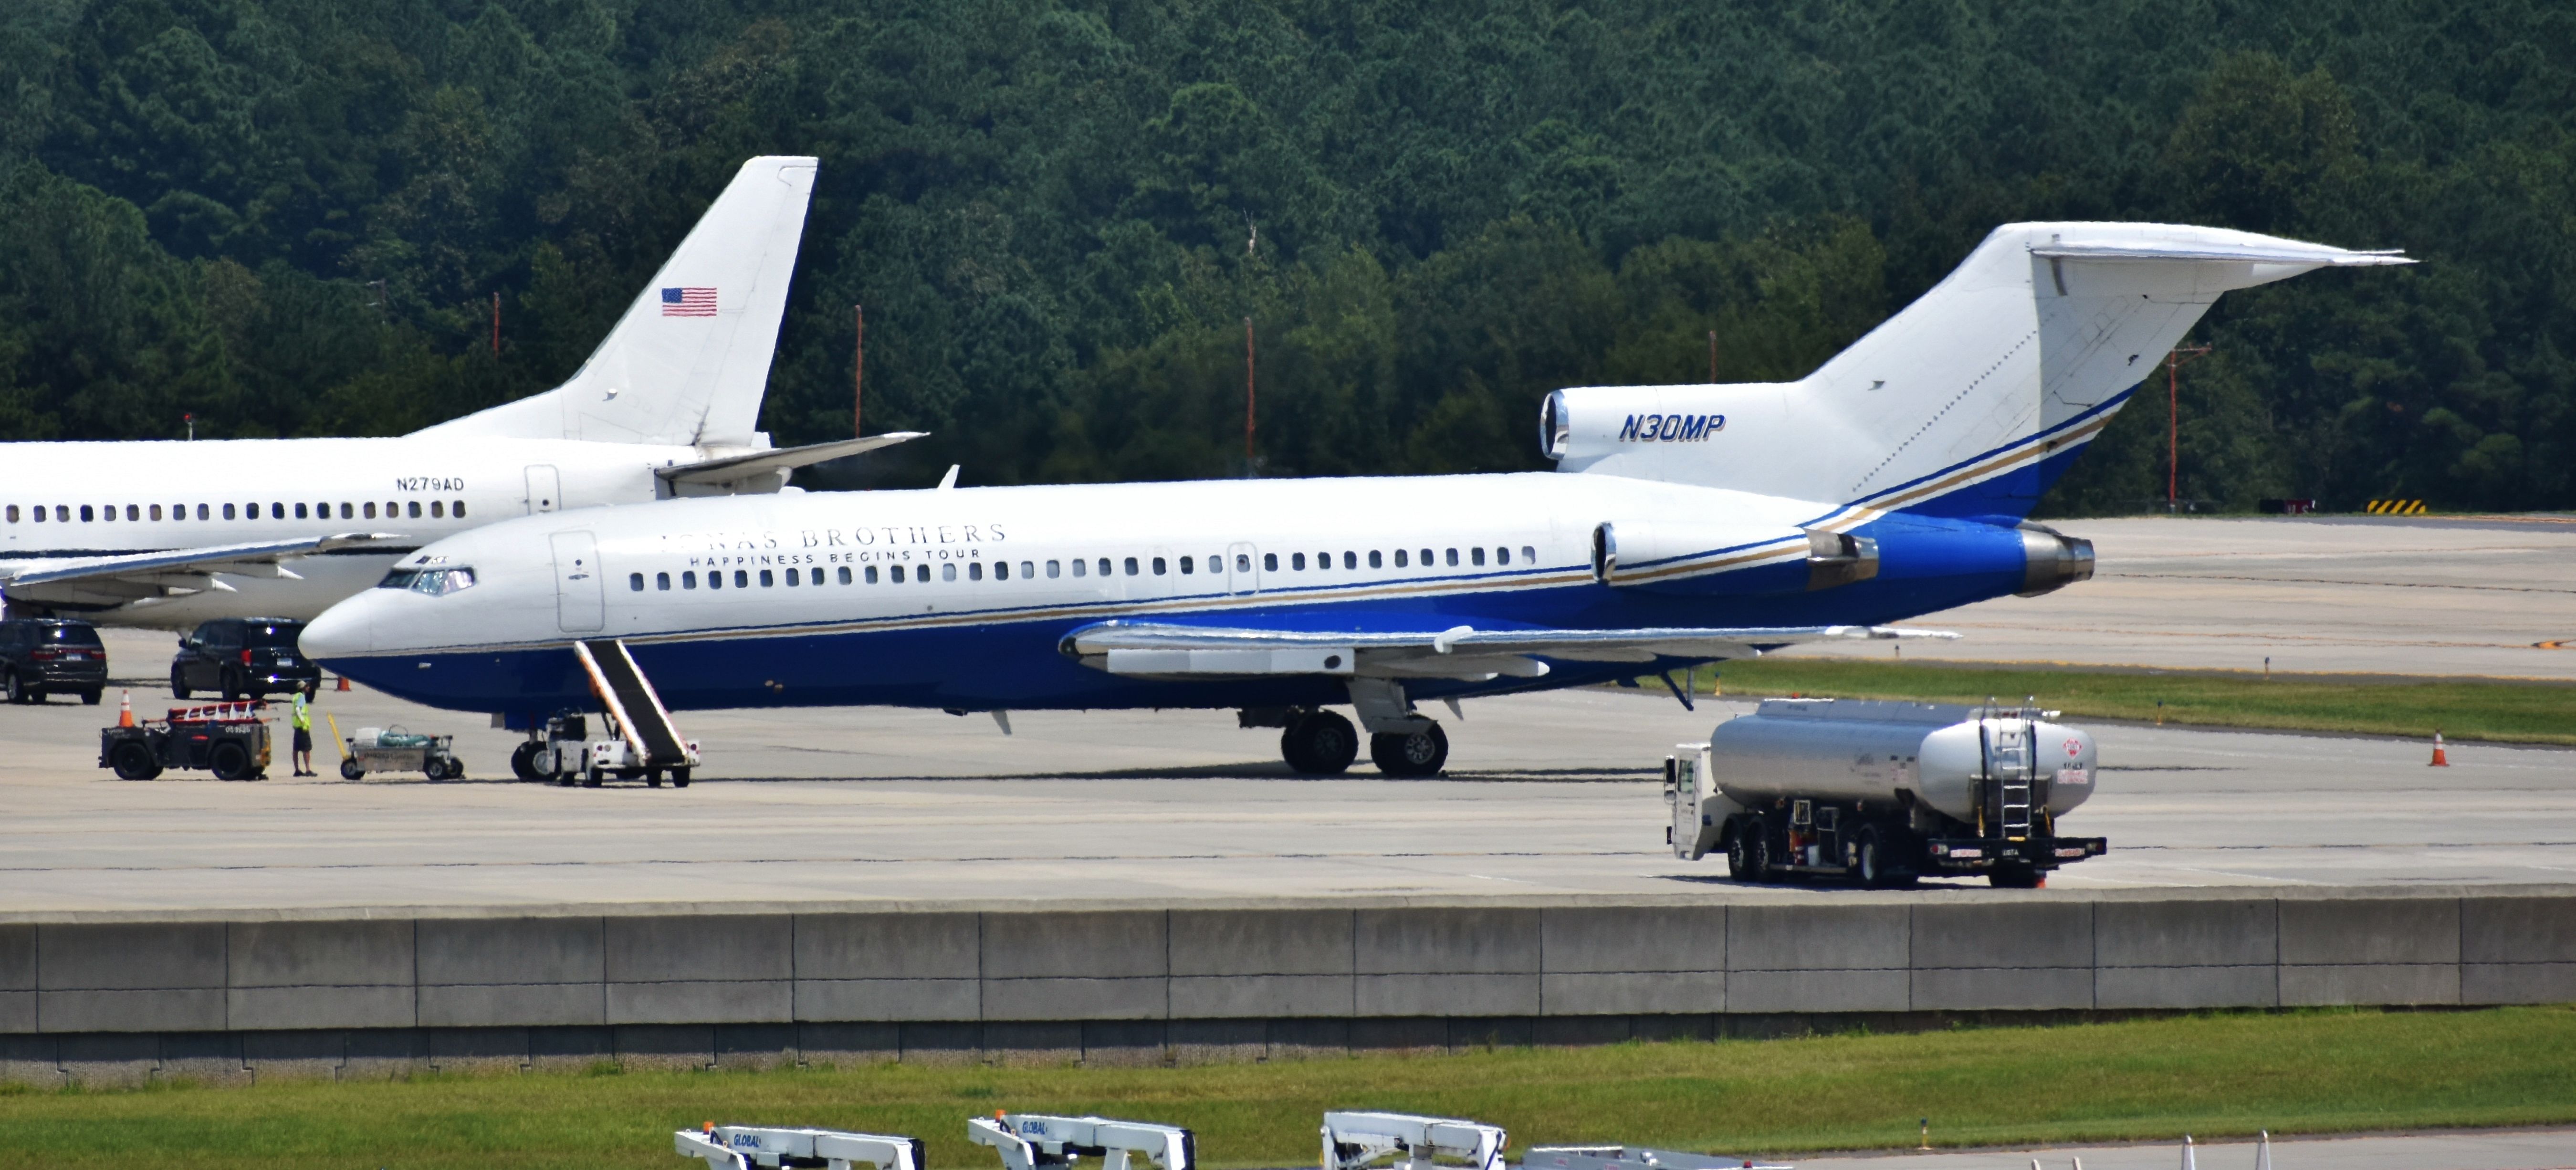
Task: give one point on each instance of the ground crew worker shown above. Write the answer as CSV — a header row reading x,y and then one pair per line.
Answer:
x,y
304,731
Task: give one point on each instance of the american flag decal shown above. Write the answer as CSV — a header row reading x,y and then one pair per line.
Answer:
x,y
688,302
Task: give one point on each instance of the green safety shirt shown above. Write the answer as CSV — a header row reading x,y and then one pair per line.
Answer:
x,y
303,713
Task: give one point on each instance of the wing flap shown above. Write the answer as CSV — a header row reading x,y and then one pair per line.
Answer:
x,y
1459,651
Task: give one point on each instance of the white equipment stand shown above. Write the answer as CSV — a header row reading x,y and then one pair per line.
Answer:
x,y
1032,1141
748,1147
1354,1140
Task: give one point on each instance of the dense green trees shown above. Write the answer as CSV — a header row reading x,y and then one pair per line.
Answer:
x,y
288,216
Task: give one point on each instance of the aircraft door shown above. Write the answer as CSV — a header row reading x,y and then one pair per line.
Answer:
x,y
1242,569
545,488
581,596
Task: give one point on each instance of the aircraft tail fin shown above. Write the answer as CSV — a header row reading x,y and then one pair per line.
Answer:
x,y
689,361
1970,401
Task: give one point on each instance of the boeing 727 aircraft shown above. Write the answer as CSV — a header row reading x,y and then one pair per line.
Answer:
x,y
172,533
1684,524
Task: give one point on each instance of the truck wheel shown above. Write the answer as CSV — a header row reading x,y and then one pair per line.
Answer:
x,y
1757,856
1875,867
679,777
652,777
133,761
17,690
178,682
591,777
229,761
90,697
565,779
523,761
2016,877
349,770
231,688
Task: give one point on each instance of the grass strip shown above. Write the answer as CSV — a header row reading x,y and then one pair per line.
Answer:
x,y
2504,712
2213,1075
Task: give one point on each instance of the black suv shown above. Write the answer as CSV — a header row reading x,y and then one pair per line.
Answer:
x,y
43,656
242,657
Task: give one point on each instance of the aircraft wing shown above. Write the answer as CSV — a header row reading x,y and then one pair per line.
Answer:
x,y
738,467
159,574
1456,652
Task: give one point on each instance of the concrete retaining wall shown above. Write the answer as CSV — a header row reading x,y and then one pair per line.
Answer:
x,y
349,994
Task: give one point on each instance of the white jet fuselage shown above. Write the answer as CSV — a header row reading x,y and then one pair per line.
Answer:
x,y
68,502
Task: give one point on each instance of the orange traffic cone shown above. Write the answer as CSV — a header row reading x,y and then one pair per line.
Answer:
x,y
344,682
2440,758
125,708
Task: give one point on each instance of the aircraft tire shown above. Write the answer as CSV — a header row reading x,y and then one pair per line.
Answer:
x,y
1320,743
523,761
1421,753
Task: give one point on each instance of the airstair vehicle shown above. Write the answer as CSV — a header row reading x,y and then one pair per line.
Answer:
x,y
747,1147
642,742
1030,1141
1353,1141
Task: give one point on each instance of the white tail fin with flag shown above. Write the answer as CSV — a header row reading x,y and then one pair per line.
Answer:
x,y
689,361
1969,402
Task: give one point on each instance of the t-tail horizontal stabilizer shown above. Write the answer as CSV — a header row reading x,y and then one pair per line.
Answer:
x,y
1970,401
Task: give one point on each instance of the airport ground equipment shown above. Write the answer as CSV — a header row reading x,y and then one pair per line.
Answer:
x,y
1030,1141
744,1147
392,749
228,739
1353,1141
1883,792
1633,1158
642,742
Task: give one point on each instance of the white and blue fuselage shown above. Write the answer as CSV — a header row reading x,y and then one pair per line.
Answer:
x,y
965,598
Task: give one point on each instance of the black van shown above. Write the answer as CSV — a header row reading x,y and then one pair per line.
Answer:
x,y
44,656
242,658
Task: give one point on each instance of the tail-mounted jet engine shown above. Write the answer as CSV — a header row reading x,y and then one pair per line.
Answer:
x,y
1700,558
2052,560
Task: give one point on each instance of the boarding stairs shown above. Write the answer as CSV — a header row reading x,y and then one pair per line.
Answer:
x,y
1353,1141
634,707
1033,1141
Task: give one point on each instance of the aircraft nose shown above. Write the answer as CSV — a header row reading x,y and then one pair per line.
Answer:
x,y
348,628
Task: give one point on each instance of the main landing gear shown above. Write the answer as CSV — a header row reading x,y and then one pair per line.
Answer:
x,y
1323,743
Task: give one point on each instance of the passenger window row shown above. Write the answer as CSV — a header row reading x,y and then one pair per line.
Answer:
x,y
1028,570
394,509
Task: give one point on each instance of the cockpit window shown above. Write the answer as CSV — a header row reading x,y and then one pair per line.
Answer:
x,y
434,582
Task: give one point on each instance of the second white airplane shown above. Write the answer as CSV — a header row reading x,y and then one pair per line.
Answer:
x,y
170,534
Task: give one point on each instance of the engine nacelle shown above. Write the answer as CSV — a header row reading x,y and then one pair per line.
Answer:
x,y
1647,553
1668,433
2052,560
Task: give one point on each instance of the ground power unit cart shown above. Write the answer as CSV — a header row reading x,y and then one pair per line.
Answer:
x,y
227,739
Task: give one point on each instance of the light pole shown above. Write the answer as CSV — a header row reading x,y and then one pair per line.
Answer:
x,y
2173,422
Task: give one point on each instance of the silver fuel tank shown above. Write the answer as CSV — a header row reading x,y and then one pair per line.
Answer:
x,y
1869,751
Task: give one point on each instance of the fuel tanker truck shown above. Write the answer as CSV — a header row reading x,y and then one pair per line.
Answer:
x,y
1881,793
